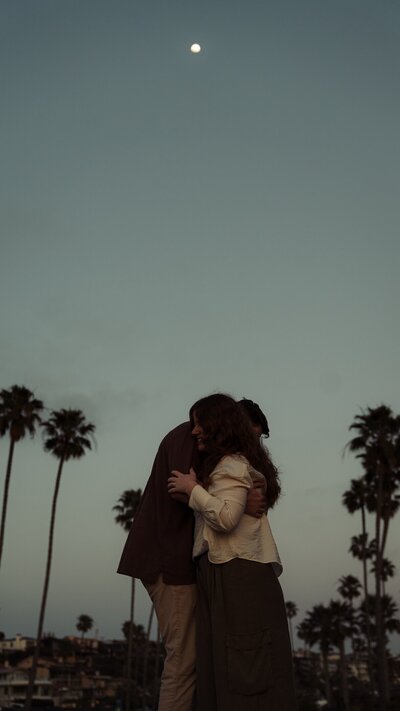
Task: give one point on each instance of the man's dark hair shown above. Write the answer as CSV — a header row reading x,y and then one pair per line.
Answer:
x,y
256,415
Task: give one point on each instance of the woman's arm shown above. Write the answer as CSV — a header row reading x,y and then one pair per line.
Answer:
x,y
223,505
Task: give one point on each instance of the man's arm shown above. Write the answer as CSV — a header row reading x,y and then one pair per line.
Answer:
x,y
256,504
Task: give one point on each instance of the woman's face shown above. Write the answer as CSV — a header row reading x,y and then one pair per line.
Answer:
x,y
198,433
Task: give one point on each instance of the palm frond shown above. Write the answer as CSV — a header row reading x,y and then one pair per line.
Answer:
x,y
67,435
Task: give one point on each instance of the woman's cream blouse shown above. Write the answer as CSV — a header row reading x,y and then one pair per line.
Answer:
x,y
222,527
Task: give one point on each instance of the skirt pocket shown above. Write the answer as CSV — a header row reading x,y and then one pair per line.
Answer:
x,y
249,662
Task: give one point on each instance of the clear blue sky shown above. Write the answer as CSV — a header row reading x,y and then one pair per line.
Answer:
x,y
175,224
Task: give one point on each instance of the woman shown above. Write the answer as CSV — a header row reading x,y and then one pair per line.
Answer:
x,y
243,649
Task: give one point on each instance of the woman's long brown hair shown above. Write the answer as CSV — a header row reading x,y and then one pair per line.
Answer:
x,y
228,430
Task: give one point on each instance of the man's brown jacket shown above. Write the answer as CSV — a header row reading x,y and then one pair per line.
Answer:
x,y
161,537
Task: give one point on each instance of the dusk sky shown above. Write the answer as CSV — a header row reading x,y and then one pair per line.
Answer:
x,y
175,224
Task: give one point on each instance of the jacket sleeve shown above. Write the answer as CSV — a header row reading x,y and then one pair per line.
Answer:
x,y
223,505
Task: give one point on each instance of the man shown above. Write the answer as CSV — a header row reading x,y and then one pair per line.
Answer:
x,y
158,550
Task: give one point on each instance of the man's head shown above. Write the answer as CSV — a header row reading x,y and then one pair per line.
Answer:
x,y
216,409
256,415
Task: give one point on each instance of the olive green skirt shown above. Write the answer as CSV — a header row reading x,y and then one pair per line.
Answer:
x,y
244,659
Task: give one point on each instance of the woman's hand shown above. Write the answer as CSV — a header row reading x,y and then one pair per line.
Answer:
x,y
179,483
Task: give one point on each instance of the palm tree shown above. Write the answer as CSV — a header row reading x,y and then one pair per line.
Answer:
x,y
362,550
316,629
291,611
390,616
349,588
138,632
67,435
84,624
355,499
342,625
391,622
377,445
156,685
146,657
126,508
304,632
388,570
19,415
390,497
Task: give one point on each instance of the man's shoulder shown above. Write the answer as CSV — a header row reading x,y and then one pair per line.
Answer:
x,y
181,432
178,448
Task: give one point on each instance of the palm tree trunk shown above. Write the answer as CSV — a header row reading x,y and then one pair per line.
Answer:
x,y
129,659
381,650
343,677
386,522
5,494
354,655
325,665
156,687
365,580
35,659
291,633
146,656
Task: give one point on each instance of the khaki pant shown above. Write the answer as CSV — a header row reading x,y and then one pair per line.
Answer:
x,y
175,609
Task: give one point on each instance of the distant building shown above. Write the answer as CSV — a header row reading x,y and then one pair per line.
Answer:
x,y
14,686
358,667
17,644
86,643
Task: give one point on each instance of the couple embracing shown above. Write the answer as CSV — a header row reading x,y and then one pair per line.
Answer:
x,y
213,576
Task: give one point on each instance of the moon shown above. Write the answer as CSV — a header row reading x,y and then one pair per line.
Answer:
x,y
195,48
